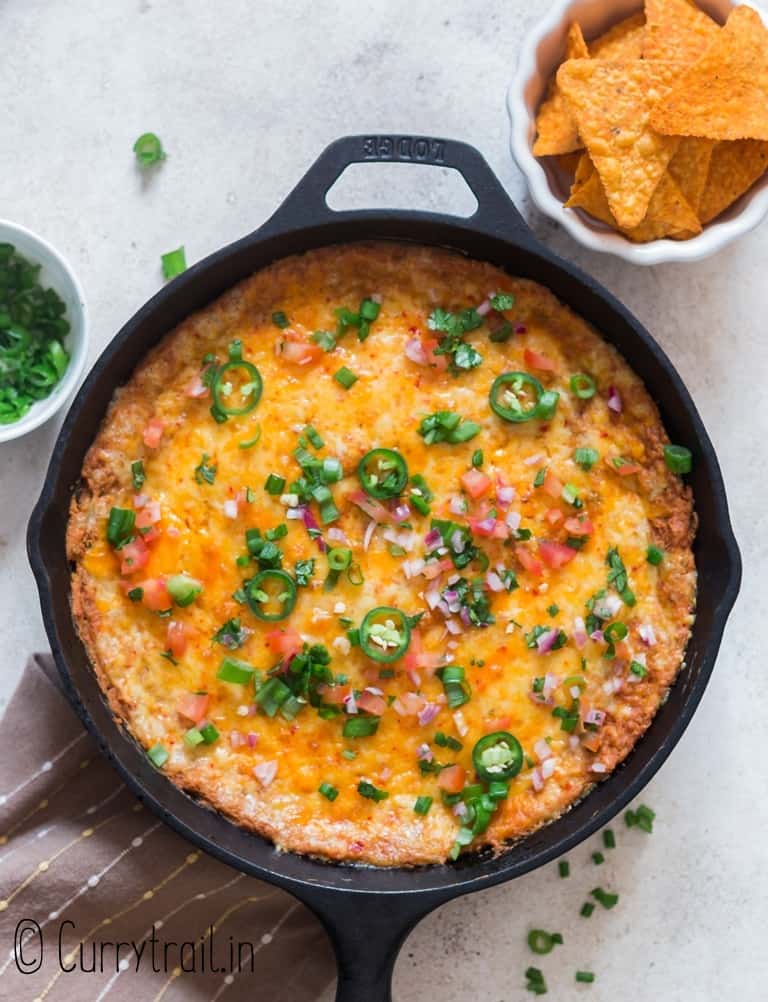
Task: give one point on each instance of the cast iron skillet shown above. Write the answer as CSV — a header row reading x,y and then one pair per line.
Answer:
x,y
368,912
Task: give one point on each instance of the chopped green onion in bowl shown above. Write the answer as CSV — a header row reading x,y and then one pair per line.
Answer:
x,y
33,329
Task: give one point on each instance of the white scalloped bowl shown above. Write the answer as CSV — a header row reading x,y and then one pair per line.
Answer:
x,y
57,274
541,51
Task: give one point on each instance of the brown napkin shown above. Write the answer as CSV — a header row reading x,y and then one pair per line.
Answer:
x,y
84,866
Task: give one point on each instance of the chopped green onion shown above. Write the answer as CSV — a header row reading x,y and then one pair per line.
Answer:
x,y
271,695
642,818
457,689
348,754
174,263
447,426
360,727
183,589
328,791
193,738
209,734
585,977
564,868
274,485
314,437
422,805
205,472
605,898
477,458
583,386
120,526
279,319
345,377
325,340
158,755
235,670
586,909
138,476
136,594
678,458
542,942
654,555
585,458
535,981
598,858
609,839
371,792
148,149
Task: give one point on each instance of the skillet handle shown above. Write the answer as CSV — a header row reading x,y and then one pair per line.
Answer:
x,y
367,931
306,205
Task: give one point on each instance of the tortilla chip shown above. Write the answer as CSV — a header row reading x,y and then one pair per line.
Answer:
x,y
725,94
689,167
611,104
669,214
623,41
555,128
675,29
733,169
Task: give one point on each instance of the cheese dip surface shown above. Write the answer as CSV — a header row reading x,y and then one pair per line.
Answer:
x,y
385,555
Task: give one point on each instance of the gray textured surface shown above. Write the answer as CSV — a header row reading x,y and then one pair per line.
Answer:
x,y
244,96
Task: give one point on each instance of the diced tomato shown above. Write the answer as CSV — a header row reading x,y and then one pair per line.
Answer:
x,y
151,534
153,433
552,486
626,469
500,530
491,724
371,703
579,526
286,642
134,556
334,694
156,595
433,568
528,560
538,361
439,361
410,704
193,706
417,658
482,526
475,483
556,554
148,515
592,742
176,638
452,779
554,515
294,348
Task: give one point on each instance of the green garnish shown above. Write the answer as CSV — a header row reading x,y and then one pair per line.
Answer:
x,y
324,339
564,868
542,942
446,426
583,386
446,741
462,356
271,595
120,526
371,792
138,476
279,319
502,301
193,737
274,485
183,589
586,909
422,805
609,839
638,669
585,977
328,791
250,442
303,571
535,981
209,734
598,858
654,555
231,634
158,755
497,756
33,325
585,458
136,594
605,898
678,458
174,263
345,377
205,472
360,727
642,818
148,150
385,634
477,458
617,576
236,671
457,688
236,386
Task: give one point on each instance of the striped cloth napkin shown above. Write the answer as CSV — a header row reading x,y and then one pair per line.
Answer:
x,y
85,867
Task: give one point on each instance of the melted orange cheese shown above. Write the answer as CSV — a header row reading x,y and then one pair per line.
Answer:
x,y
196,536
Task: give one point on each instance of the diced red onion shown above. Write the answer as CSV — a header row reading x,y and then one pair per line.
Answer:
x,y
197,388
415,351
428,714
412,567
533,460
369,531
457,505
505,496
350,703
459,809
424,753
265,772
374,690
598,767
464,614
432,597
337,535
453,627
575,692
521,329
537,780
548,768
614,400
139,500
414,676
402,512
432,538
461,725
541,750
486,525
579,632
513,520
295,513
647,634
493,581
484,308
236,739
252,739
597,636
457,542
546,641
596,717
573,742
607,606
230,508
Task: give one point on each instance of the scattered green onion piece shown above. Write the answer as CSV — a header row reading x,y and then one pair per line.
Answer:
x,y
328,791
605,898
174,263
136,594
209,734
120,526
654,555
360,727
422,805
314,437
598,858
678,458
148,149
477,458
609,839
158,755
457,689
564,868
274,485
542,942
585,977
193,738
271,695
138,476
345,377
586,458
371,792
183,589
279,319
586,909
236,671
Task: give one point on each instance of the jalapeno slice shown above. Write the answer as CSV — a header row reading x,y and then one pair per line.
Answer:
x,y
497,756
248,390
383,474
268,588
518,396
385,634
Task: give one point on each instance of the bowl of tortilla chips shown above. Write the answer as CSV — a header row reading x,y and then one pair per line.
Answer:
x,y
642,127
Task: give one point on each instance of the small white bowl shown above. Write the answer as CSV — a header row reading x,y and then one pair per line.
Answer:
x,y
55,273
541,52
